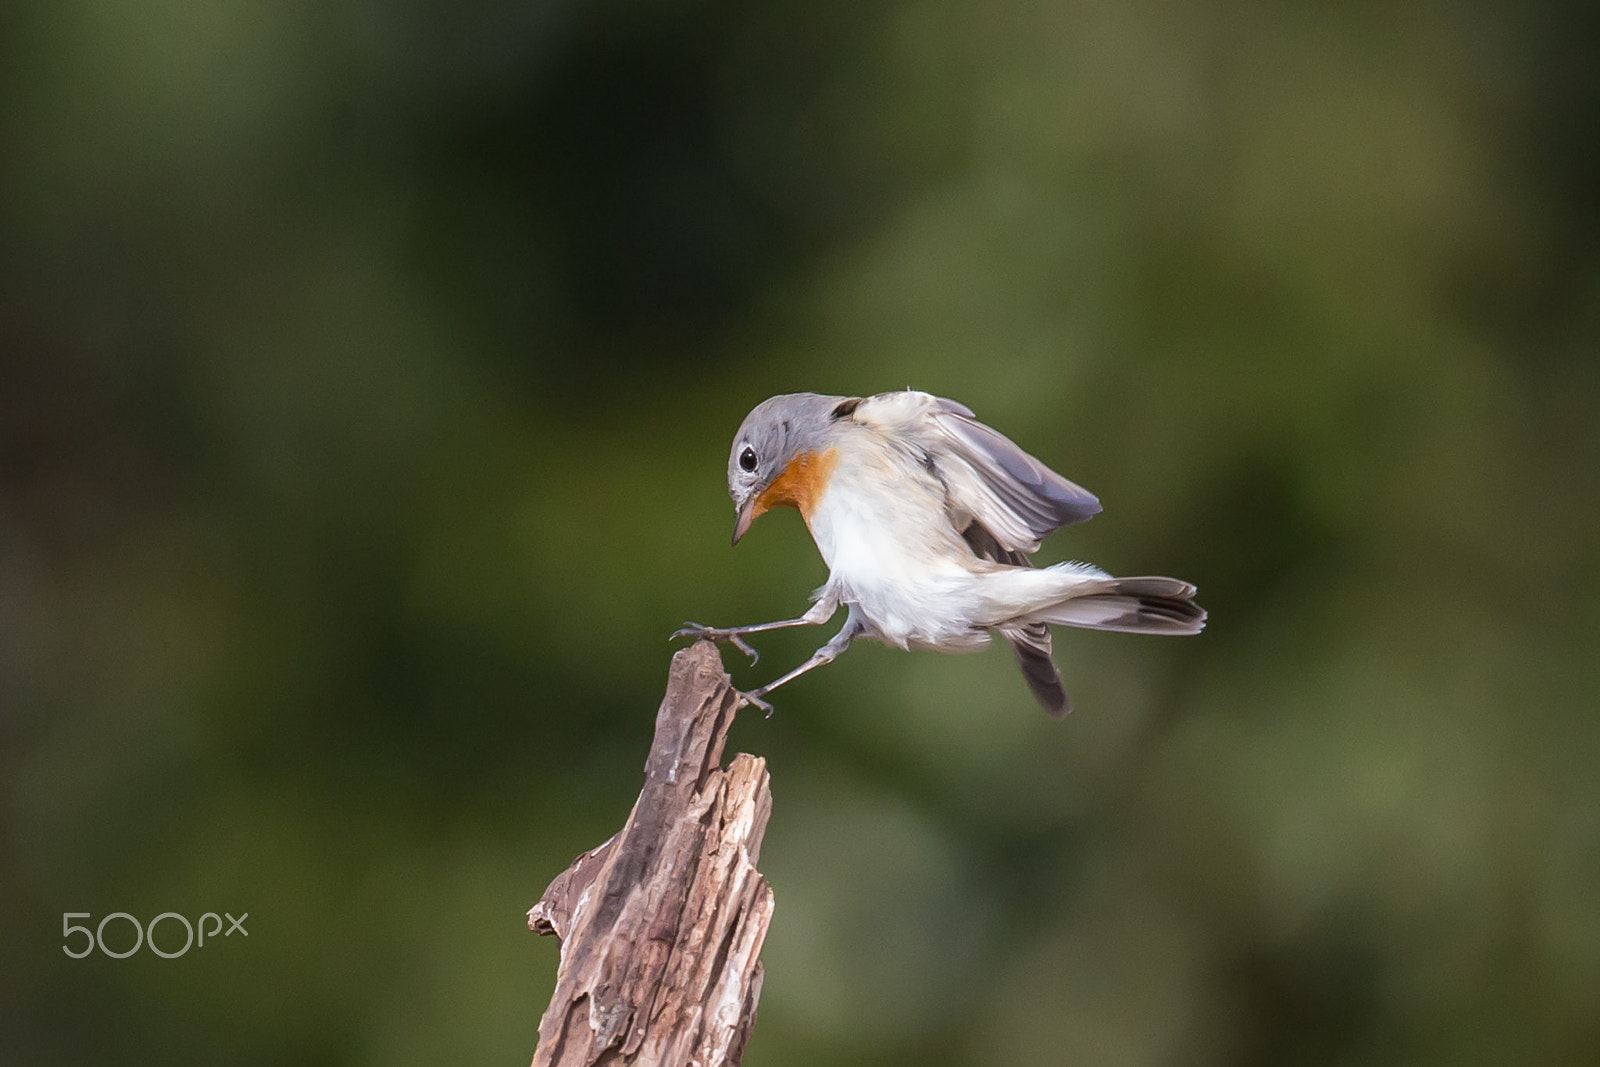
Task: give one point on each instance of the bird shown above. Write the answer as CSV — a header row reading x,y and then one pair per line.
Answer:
x,y
926,518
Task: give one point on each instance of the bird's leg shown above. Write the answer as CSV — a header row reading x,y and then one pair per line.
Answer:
x,y
826,654
820,613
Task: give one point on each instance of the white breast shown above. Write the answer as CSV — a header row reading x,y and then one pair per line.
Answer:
x,y
892,553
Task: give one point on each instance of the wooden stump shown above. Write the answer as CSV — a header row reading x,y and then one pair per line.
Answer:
x,y
661,926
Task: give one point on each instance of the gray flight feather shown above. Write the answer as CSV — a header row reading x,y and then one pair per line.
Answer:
x,y
1018,499
1031,643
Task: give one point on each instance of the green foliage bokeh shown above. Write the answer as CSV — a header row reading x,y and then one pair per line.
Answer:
x,y
367,372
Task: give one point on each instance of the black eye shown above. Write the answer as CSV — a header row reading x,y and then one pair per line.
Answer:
x,y
747,459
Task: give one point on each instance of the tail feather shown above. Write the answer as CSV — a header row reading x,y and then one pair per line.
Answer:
x,y
1157,587
1135,605
1130,605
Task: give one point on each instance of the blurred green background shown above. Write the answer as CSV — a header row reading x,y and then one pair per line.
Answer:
x,y
367,372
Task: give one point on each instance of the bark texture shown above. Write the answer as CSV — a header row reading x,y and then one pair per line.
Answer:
x,y
661,926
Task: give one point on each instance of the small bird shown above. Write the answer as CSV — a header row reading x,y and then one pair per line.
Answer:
x,y
926,518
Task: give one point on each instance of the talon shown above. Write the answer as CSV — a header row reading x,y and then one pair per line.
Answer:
x,y
690,629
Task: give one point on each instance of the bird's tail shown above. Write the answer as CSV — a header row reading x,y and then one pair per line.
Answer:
x,y
1131,605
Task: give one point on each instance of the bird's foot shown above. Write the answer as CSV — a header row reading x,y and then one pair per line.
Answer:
x,y
711,633
753,698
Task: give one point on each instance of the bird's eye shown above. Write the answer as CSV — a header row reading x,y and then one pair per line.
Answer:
x,y
747,459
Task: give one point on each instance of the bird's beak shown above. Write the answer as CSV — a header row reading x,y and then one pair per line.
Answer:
x,y
747,514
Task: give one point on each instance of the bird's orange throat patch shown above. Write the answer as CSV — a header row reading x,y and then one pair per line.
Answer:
x,y
801,483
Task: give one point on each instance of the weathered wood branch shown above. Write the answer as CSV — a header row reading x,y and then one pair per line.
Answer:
x,y
661,926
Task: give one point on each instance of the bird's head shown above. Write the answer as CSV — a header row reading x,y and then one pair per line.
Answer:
x,y
781,455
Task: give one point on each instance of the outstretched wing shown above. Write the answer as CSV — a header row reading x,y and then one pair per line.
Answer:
x,y
986,476
1016,498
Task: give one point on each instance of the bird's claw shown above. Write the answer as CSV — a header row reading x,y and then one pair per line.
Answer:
x,y
699,632
753,698
712,633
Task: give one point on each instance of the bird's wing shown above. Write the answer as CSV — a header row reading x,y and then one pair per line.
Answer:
x,y
1016,498
1031,643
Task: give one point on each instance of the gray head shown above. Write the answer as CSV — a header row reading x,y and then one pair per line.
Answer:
x,y
775,435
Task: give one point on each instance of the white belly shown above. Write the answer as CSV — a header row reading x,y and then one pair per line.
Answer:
x,y
893,555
